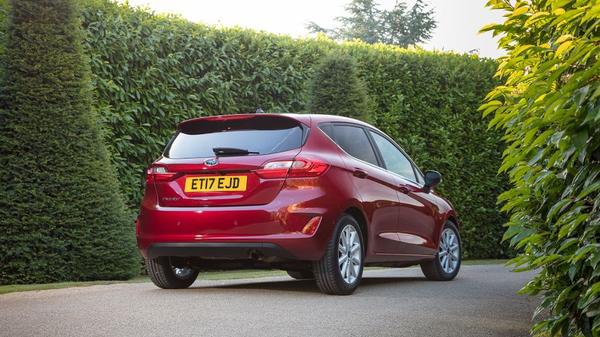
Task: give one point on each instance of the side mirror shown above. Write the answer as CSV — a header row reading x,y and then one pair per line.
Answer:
x,y
432,179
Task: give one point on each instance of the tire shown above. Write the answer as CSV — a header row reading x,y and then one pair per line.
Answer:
x,y
301,275
164,275
439,269
328,274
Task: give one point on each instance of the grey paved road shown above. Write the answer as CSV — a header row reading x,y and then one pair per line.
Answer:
x,y
390,302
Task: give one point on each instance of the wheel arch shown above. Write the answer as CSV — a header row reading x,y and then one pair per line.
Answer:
x,y
454,219
359,216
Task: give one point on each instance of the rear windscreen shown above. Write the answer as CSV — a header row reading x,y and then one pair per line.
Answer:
x,y
258,135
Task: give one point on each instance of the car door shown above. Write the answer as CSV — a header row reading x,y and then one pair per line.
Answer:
x,y
376,187
415,228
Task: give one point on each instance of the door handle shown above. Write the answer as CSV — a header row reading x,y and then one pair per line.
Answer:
x,y
360,173
403,189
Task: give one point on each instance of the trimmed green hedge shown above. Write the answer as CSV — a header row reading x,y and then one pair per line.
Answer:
x,y
152,71
61,214
336,89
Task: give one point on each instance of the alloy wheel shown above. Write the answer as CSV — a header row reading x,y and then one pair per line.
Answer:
x,y
349,254
449,251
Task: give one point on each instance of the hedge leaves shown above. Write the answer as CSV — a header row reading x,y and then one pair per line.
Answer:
x,y
549,108
335,88
61,214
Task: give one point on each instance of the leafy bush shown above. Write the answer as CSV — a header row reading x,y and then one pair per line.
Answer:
x,y
549,109
152,71
335,88
61,215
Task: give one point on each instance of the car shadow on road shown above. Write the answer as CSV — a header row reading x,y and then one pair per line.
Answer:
x,y
309,286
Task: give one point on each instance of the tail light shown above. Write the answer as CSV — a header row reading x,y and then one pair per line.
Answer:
x,y
298,168
158,173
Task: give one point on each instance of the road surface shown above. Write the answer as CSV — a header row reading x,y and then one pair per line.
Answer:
x,y
390,302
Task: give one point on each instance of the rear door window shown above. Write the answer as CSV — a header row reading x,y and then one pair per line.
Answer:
x,y
260,135
355,142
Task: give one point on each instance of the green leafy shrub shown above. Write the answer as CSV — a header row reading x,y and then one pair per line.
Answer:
x,y
61,214
336,89
548,107
152,71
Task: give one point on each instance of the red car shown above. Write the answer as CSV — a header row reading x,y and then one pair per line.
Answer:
x,y
319,196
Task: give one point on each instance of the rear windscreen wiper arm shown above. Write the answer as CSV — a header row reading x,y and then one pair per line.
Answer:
x,y
231,151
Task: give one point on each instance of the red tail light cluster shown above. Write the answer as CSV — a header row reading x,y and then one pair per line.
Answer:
x,y
298,168
158,173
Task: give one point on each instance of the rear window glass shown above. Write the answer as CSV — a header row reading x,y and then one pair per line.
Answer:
x,y
261,134
355,142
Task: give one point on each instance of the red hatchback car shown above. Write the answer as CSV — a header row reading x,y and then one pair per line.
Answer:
x,y
319,196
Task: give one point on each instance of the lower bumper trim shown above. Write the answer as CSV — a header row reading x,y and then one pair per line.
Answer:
x,y
220,250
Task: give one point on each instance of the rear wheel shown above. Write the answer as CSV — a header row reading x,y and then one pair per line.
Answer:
x,y
301,275
340,270
168,276
447,261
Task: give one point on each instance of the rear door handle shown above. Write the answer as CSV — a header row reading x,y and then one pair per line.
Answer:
x,y
403,189
360,173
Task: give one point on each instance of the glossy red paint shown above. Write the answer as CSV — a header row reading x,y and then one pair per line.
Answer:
x,y
401,221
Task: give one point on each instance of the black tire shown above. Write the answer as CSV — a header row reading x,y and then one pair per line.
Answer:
x,y
301,275
434,270
163,275
327,270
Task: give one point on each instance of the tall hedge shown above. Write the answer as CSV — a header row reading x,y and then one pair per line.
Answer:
x,y
152,71
549,108
61,214
336,89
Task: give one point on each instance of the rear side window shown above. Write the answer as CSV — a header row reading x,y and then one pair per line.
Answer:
x,y
260,134
354,141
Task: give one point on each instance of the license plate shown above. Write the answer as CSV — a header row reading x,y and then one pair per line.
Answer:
x,y
216,184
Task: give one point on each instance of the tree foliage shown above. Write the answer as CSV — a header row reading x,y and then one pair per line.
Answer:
x,y
548,106
366,22
61,215
336,89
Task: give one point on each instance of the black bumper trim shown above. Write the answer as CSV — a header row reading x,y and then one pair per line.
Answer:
x,y
218,250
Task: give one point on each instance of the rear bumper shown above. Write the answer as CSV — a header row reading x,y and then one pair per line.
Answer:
x,y
275,231
228,251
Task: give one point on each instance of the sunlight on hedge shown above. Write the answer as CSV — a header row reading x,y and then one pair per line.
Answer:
x,y
548,106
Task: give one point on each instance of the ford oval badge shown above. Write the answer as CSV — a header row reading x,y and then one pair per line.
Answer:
x,y
211,162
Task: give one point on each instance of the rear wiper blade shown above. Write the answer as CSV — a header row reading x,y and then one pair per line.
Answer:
x,y
231,151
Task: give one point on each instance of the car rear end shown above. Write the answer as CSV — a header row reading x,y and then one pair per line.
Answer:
x,y
238,187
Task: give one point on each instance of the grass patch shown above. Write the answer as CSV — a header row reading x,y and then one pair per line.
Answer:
x,y
484,262
205,275
11,288
239,274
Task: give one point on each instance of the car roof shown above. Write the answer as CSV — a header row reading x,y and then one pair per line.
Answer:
x,y
306,119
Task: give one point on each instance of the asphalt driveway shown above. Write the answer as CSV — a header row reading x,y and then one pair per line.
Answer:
x,y
390,302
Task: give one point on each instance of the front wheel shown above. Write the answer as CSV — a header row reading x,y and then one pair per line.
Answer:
x,y
340,269
447,261
165,275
